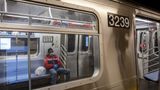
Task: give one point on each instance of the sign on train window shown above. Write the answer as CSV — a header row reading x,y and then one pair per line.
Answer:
x,y
48,16
5,43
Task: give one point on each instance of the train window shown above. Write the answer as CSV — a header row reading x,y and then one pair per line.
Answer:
x,y
47,58
142,40
75,19
52,65
71,42
13,60
48,16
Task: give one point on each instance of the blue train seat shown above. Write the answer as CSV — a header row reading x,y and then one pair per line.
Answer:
x,y
154,76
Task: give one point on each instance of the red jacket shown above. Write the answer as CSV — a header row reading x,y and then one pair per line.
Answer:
x,y
48,61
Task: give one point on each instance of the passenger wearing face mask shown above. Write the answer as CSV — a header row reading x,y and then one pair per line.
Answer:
x,y
53,64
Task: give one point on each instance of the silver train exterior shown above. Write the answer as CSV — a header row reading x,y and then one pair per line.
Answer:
x,y
118,68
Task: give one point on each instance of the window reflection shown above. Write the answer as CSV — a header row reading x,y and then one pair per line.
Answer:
x,y
30,9
47,16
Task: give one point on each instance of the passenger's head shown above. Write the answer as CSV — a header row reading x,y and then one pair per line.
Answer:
x,y
50,52
52,44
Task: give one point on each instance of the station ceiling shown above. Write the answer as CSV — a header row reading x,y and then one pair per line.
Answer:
x,y
151,4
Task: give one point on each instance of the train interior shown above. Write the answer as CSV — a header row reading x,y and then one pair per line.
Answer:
x,y
147,53
23,52
77,57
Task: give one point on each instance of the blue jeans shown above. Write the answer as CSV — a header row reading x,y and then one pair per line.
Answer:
x,y
59,71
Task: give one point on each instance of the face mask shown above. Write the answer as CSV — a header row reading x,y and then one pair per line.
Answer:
x,y
51,54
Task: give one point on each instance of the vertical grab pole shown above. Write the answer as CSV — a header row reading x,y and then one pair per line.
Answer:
x,y
29,62
5,5
16,58
143,63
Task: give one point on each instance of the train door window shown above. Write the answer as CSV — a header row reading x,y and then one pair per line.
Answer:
x,y
143,42
85,43
71,42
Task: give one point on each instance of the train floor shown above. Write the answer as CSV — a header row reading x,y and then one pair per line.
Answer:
x,y
147,85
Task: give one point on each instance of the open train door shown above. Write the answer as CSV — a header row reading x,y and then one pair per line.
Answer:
x,y
147,53
142,48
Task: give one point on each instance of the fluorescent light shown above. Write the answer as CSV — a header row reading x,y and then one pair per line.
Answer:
x,y
143,20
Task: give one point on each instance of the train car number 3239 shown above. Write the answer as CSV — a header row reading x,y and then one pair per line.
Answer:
x,y
118,21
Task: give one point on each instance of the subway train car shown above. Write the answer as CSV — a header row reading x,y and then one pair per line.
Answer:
x,y
102,44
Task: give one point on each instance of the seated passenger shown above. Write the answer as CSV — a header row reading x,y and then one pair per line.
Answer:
x,y
53,64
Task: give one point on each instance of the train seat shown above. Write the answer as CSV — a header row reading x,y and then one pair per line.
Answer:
x,y
23,84
15,78
152,76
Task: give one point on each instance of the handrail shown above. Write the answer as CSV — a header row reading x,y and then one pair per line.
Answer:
x,y
147,58
152,54
151,60
150,49
153,71
151,65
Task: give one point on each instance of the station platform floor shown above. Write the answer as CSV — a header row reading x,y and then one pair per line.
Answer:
x,y
147,85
